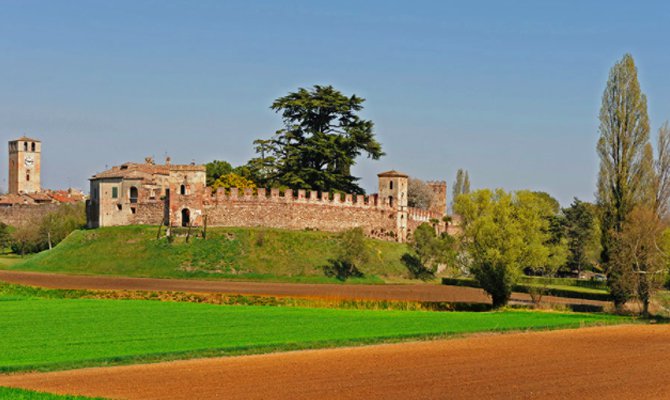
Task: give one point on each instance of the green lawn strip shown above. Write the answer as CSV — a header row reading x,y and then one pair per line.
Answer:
x,y
228,253
48,334
20,394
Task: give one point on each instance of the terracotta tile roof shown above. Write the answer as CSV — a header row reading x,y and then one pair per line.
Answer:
x,y
64,197
133,171
39,197
12,199
26,139
393,173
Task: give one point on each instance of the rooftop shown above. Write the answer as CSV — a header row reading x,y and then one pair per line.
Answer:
x,y
25,139
392,174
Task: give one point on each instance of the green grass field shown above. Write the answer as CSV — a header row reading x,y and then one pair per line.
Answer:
x,y
20,394
46,334
238,253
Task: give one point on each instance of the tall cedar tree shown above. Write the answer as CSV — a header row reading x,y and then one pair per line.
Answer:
x,y
321,139
625,164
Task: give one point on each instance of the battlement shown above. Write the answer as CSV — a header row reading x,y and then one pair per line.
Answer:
x,y
437,183
418,214
300,196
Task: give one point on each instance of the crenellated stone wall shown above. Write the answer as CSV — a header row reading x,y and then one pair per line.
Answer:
x,y
301,210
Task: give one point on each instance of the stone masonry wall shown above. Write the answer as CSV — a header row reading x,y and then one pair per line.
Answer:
x,y
149,213
20,214
305,211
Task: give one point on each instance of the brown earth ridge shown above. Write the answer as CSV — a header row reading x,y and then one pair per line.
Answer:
x,y
398,292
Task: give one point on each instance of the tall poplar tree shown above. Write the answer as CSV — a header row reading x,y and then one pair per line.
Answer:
x,y
625,164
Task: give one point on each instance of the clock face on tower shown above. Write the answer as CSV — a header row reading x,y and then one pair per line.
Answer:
x,y
29,161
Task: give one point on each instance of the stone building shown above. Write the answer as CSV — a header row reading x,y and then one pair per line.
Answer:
x,y
177,195
24,165
136,193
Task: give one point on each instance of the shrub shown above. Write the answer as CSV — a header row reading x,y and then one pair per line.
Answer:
x,y
351,254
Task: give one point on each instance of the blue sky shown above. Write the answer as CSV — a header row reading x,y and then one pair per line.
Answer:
x,y
508,90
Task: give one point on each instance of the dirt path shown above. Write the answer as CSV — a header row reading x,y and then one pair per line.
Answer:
x,y
419,292
620,362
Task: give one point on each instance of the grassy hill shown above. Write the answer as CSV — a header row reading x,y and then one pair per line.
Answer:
x,y
242,253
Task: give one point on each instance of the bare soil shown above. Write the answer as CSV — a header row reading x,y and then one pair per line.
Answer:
x,y
409,292
618,362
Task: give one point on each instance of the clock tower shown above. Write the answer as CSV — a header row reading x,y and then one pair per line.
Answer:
x,y
24,165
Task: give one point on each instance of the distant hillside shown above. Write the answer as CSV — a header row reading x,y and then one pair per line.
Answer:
x,y
242,253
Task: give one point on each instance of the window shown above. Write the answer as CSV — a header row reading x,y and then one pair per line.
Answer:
x,y
391,185
115,192
28,177
25,146
182,189
119,207
391,201
133,194
133,210
32,146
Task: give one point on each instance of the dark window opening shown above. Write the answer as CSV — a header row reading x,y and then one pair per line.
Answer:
x,y
391,201
133,194
32,147
182,189
27,177
133,210
185,217
25,146
391,185
115,193
119,207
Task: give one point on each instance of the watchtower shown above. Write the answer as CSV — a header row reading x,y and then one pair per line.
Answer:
x,y
393,192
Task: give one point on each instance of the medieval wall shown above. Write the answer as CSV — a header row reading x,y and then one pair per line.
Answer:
x,y
325,212
149,213
24,213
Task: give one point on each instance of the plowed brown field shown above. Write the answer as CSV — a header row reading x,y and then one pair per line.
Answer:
x,y
418,292
619,362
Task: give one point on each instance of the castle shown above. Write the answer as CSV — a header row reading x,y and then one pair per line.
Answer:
x,y
177,195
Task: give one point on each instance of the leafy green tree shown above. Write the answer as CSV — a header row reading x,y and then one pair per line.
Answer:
x,y
625,161
581,232
661,183
429,251
503,233
56,225
216,169
41,233
638,256
5,236
321,139
232,180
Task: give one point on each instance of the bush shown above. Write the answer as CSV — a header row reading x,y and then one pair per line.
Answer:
x,y
415,268
351,254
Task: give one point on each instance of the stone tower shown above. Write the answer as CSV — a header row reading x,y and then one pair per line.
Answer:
x,y
24,165
439,202
393,192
